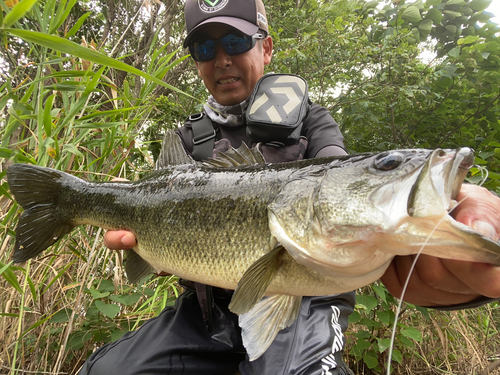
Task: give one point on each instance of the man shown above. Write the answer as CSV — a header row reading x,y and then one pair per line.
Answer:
x,y
178,341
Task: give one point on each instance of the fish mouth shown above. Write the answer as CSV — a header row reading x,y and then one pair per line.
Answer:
x,y
439,182
432,199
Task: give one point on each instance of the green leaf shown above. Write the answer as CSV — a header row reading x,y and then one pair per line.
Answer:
x,y
103,125
468,40
117,334
478,5
61,316
452,15
5,153
71,148
362,334
371,359
397,355
454,52
19,10
381,292
77,25
367,302
96,294
78,339
424,311
131,299
383,344
117,298
363,345
354,317
411,14
406,341
47,118
106,286
108,113
108,309
412,333
425,25
435,15
384,317
9,276
62,16
370,323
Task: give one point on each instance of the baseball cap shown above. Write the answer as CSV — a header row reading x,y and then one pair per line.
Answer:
x,y
247,16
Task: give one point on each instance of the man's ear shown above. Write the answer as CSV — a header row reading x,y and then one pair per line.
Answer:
x,y
197,68
267,48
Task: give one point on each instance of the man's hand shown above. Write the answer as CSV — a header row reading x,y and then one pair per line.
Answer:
x,y
119,240
442,282
123,240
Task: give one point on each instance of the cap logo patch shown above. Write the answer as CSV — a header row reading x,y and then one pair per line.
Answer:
x,y
261,18
210,6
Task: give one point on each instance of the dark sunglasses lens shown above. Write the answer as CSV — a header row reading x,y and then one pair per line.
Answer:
x,y
203,51
234,45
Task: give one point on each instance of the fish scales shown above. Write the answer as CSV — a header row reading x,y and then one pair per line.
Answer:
x,y
204,224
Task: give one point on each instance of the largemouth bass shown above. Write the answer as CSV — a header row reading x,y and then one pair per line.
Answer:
x,y
311,227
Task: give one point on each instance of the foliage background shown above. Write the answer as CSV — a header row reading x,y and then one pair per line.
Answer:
x,y
89,87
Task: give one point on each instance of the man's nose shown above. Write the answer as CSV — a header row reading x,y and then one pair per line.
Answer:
x,y
222,59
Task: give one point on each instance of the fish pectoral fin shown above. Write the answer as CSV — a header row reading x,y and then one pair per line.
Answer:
x,y
136,267
262,323
253,285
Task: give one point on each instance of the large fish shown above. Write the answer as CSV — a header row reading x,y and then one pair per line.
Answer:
x,y
312,227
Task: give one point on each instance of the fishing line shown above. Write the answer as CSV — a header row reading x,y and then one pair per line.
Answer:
x,y
484,173
405,286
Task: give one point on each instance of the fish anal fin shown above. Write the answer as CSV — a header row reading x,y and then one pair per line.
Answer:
x,y
136,267
262,323
253,285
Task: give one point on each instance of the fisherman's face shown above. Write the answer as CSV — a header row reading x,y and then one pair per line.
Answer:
x,y
231,79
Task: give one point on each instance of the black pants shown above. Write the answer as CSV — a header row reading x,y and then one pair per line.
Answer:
x,y
177,342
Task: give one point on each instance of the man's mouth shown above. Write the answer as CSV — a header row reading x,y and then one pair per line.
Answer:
x,y
227,81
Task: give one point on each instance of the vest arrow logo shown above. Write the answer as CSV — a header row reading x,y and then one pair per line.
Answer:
x,y
283,96
293,99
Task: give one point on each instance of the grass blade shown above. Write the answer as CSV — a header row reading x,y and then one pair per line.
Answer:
x,y
66,46
19,10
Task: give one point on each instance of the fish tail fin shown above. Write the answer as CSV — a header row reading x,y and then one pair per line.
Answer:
x,y
36,189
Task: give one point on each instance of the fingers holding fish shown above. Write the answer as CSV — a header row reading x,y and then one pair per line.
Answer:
x,y
119,240
479,209
483,278
430,283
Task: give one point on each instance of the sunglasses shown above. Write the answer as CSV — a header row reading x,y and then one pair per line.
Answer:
x,y
205,50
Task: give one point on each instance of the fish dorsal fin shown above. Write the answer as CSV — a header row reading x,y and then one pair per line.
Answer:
x,y
254,282
172,151
260,325
233,157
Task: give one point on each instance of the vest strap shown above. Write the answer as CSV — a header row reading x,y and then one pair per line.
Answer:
x,y
203,136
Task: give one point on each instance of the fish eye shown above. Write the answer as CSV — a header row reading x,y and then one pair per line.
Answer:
x,y
388,161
